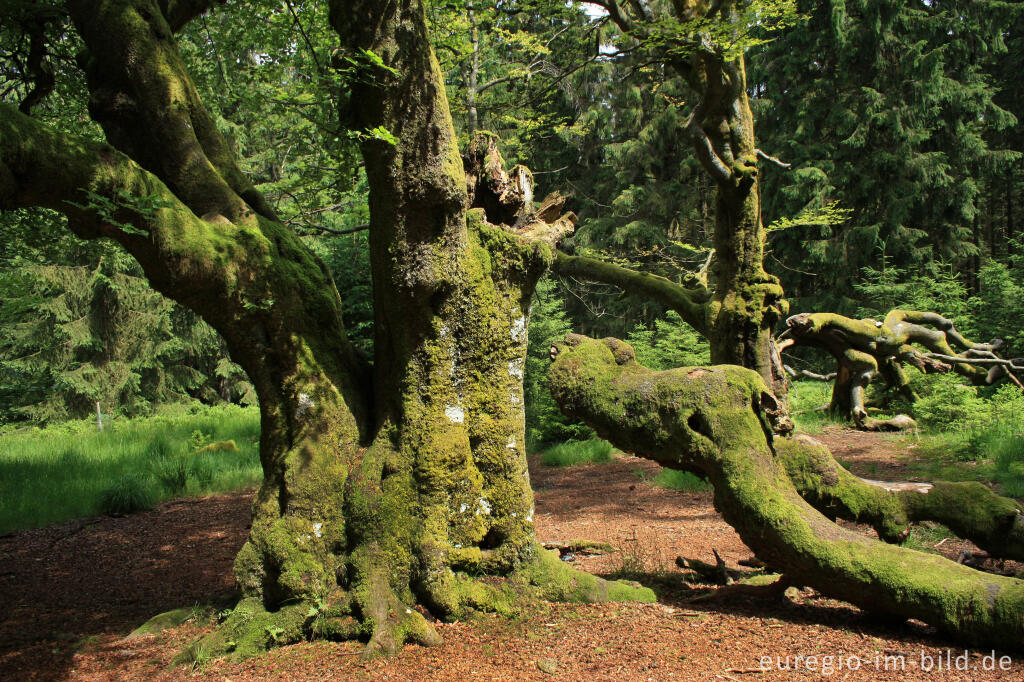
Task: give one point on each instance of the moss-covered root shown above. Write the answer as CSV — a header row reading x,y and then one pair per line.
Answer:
x,y
372,613
388,621
709,419
249,630
554,580
971,510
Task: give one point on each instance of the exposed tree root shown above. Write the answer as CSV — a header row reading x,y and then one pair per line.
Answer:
x,y
372,612
709,420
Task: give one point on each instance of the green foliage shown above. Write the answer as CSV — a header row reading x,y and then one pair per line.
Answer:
x,y
940,290
71,470
891,108
684,481
669,343
998,308
575,452
545,423
989,436
947,401
78,334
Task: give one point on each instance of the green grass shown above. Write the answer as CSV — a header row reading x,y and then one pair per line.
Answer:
x,y
992,453
673,479
806,397
925,536
577,452
71,470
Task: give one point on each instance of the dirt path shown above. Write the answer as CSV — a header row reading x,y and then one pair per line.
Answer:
x,y
69,593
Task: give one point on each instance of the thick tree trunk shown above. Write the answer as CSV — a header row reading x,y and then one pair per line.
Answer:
x,y
746,302
385,486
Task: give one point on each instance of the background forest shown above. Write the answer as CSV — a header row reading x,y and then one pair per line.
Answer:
x,y
898,120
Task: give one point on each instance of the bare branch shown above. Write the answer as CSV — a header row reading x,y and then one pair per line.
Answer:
x,y
766,157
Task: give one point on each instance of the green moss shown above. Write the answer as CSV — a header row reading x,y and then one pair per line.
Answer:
x,y
161,622
554,580
248,631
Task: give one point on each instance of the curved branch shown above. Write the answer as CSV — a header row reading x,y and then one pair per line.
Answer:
x,y
180,12
706,153
213,266
772,159
971,510
710,420
689,303
145,100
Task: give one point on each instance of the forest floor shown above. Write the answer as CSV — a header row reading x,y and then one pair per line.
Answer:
x,y
70,593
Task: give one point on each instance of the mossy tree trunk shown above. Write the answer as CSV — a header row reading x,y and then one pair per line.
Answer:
x,y
386,484
735,305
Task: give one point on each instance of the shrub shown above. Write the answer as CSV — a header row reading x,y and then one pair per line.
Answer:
x,y
131,493
948,402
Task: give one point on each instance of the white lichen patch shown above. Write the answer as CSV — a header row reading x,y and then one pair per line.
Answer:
x,y
529,517
485,506
305,405
463,507
318,529
514,398
455,414
515,368
519,329
511,444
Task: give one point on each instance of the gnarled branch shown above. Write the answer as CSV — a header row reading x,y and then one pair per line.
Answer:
x,y
710,420
689,303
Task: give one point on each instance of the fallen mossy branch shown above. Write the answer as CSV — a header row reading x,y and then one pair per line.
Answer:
x,y
710,420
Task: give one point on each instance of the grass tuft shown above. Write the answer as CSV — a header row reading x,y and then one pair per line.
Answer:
x,y
577,452
684,481
134,492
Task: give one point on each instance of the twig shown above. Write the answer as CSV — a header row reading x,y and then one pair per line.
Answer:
x,y
766,157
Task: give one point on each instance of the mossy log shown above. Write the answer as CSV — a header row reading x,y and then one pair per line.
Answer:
x,y
709,420
866,348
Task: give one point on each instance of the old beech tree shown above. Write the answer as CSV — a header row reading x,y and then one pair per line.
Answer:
x,y
399,482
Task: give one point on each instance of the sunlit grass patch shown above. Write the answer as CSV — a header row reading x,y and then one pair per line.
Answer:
x,y
72,470
577,452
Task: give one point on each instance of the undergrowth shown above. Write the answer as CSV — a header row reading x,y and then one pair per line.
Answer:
x,y
806,398
71,470
577,452
673,479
